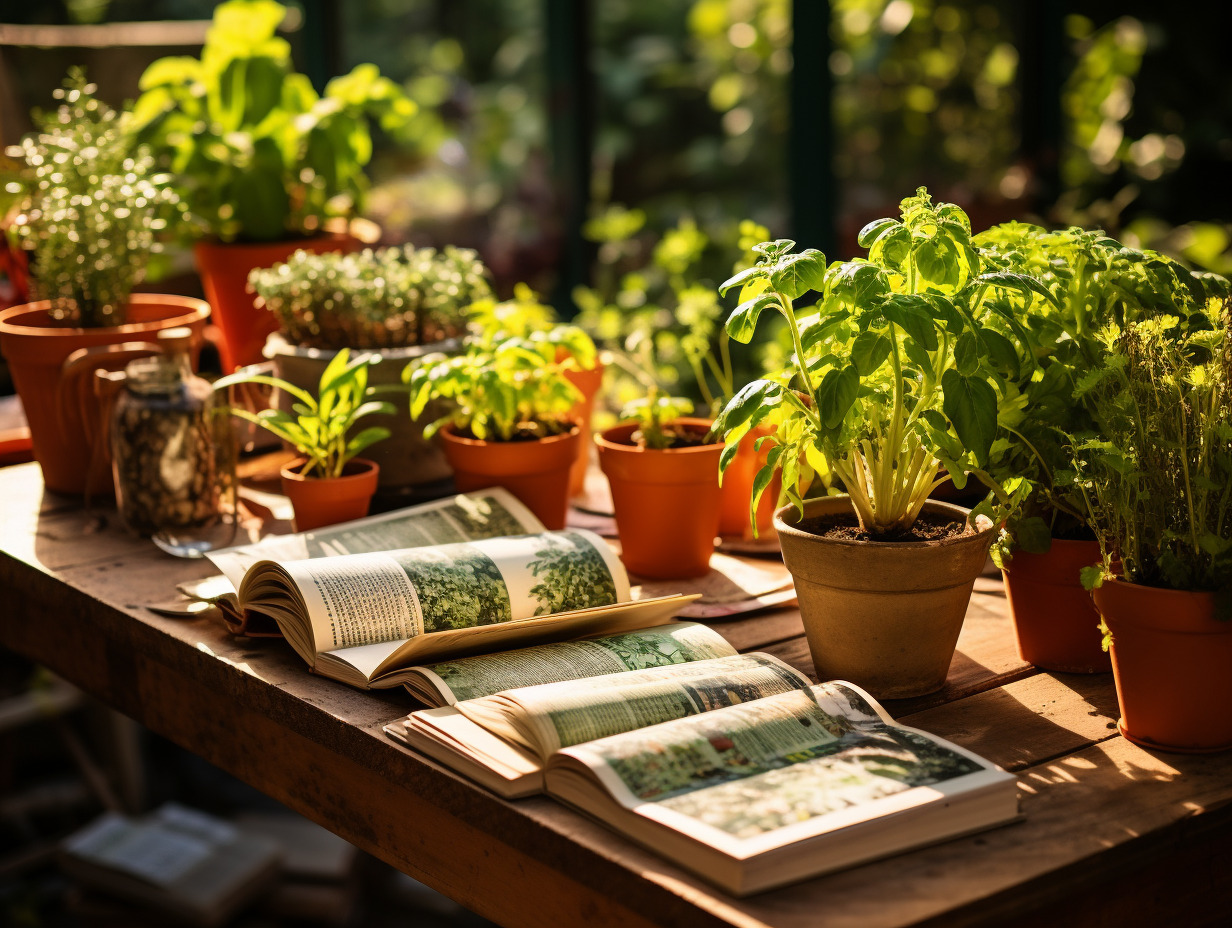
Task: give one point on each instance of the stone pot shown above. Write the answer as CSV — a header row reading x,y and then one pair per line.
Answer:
x,y
406,459
884,615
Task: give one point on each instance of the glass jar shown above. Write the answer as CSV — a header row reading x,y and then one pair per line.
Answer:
x,y
172,473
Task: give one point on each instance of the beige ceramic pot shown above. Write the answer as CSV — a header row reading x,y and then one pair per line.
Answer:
x,y
885,616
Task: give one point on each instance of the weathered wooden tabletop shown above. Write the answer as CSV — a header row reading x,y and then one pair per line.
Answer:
x,y
1113,834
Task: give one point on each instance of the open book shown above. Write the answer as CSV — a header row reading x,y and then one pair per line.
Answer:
x,y
363,618
733,766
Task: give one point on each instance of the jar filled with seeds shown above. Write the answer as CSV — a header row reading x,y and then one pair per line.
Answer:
x,y
168,477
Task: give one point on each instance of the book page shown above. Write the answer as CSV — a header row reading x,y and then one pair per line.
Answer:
x,y
550,716
486,674
465,517
750,771
364,599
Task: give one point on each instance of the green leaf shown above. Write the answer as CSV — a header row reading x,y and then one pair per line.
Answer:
x,y
911,315
795,275
1032,535
874,230
1023,283
869,351
835,394
752,403
742,323
971,404
967,353
1092,577
741,279
1001,351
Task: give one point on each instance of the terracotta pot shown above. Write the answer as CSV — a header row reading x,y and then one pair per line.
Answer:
x,y
63,417
536,472
589,383
327,501
1055,621
406,458
884,615
1172,662
738,489
224,269
666,502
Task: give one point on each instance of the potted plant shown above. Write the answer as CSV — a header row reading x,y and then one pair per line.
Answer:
x,y
91,208
398,303
520,317
900,372
261,159
1091,281
662,469
510,424
1157,483
329,482
668,306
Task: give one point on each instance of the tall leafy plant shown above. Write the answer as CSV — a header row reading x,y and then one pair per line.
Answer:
x,y
1158,482
903,369
1095,282
258,153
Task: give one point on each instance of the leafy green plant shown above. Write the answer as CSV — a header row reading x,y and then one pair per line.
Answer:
x,y
91,207
653,414
509,382
387,298
903,369
321,427
259,155
1094,281
1158,481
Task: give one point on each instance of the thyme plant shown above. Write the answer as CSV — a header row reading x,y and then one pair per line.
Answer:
x,y
92,207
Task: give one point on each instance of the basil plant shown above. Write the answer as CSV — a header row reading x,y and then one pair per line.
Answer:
x,y
902,369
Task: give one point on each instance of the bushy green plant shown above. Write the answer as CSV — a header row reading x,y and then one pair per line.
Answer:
x,y
391,297
92,207
1158,481
509,382
903,369
258,153
654,414
1094,282
320,427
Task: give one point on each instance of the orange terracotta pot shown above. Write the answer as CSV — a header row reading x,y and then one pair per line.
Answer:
x,y
588,382
327,501
536,472
738,489
64,416
224,269
1172,662
666,502
1055,621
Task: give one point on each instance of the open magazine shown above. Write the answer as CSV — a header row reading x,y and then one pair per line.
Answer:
x,y
732,765
465,517
363,618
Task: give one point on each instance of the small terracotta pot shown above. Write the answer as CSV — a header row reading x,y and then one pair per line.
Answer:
x,y
536,472
738,489
327,501
1055,621
59,415
224,269
666,502
884,615
588,382
1172,662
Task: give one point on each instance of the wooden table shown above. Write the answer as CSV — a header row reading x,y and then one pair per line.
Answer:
x,y
1113,834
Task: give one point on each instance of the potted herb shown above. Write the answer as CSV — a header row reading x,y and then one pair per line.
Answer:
x,y
510,424
329,483
261,160
1093,281
667,302
899,373
91,209
662,469
398,303
1157,485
